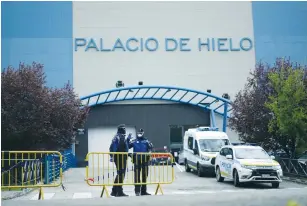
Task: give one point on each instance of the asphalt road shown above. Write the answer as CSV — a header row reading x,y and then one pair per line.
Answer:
x,y
187,189
251,198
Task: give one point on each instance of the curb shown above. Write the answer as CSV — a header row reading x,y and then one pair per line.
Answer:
x,y
18,194
296,180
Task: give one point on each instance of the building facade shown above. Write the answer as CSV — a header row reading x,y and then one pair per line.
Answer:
x,y
195,45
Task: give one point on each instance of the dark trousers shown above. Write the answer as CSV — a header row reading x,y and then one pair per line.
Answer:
x,y
121,165
140,167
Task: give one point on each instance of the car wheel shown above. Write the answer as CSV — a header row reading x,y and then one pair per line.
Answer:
x,y
275,184
219,177
199,172
236,180
187,168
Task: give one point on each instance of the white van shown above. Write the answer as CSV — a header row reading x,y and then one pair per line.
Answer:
x,y
200,146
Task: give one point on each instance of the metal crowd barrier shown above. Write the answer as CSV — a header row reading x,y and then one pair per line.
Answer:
x,y
31,169
103,168
69,160
293,167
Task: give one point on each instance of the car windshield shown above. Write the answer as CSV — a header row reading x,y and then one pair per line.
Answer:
x,y
212,145
249,153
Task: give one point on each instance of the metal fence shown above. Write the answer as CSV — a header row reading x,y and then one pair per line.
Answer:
x,y
293,167
31,169
121,168
34,169
69,160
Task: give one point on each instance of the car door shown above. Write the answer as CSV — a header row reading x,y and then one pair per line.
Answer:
x,y
221,161
190,154
228,162
196,157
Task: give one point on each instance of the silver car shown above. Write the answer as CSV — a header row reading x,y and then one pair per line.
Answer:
x,y
181,157
303,160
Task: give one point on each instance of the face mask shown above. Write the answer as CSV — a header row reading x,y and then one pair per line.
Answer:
x,y
139,135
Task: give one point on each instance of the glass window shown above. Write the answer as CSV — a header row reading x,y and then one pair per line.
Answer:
x,y
190,143
176,134
196,146
251,153
303,157
222,152
212,145
226,151
230,152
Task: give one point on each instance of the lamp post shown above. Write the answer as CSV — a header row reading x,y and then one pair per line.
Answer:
x,y
225,96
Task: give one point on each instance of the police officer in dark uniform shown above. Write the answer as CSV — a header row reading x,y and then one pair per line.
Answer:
x,y
141,161
119,144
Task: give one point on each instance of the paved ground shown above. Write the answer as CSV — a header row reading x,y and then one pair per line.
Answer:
x,y
250,198
187,188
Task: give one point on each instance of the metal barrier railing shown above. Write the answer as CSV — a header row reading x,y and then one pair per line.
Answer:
x,y
108,168
293,167
52,168
69,160
31,169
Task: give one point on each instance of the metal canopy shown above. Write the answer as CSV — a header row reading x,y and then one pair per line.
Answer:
x,y
204,100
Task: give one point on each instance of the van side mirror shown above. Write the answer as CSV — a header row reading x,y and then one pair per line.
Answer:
x,y
195,151
272,157
229,157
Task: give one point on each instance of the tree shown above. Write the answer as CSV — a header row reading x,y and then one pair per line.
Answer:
x,y
289,106
35,116
251,117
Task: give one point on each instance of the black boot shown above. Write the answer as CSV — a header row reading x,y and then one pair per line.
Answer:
x,y
120,193
114,191
137,190
144,190
145,193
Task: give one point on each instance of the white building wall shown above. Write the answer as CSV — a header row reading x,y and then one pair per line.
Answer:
x,y
220,71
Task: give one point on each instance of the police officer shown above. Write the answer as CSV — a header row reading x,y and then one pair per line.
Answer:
x,y
141,161
119,144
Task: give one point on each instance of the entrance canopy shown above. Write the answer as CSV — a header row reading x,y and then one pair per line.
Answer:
x,y
204,100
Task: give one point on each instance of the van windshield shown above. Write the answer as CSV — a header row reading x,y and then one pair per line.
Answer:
x,y
212,145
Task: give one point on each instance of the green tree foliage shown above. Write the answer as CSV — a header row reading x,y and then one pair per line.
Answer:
x,y
289,105
251,117
34,116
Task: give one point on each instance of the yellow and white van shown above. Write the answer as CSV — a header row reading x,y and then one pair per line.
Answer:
x,y
200,147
